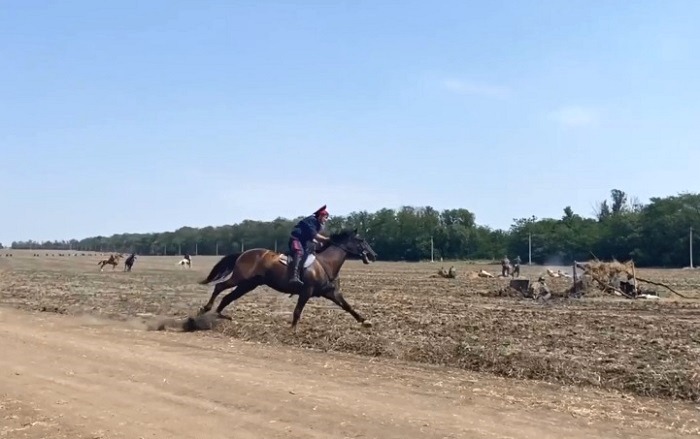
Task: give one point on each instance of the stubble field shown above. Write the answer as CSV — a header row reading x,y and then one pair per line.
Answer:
x,y
647,348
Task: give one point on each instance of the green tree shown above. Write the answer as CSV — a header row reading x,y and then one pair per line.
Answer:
x,y
622,227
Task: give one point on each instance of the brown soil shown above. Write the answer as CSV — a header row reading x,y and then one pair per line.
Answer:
x,y
640,348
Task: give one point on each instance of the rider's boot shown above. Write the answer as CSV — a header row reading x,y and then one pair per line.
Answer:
x,y
296,266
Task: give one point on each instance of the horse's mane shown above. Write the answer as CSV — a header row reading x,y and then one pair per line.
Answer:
x,y
337,238
342,235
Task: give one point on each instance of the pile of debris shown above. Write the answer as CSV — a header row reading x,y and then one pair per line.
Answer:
x,y
616,278
451,274
530,290
484,275
613,277
524,288
558,273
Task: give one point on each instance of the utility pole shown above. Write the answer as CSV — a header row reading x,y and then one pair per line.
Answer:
x,y
196,249
529,249
691,248
432,250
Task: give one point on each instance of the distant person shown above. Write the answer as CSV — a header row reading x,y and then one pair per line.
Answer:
x,y
516,266
505,266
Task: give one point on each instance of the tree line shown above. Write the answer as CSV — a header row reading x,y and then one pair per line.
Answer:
x,y
653,234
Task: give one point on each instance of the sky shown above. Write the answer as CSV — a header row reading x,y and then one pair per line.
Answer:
x,y
131,116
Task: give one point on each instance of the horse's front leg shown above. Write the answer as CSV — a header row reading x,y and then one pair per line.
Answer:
x,y
336,297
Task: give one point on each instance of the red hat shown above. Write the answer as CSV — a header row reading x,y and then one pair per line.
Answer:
x,y
321,212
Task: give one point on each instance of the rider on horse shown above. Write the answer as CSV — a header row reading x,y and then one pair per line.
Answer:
x,y
302,239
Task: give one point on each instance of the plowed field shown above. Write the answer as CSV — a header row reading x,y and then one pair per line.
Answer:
x,y
646,348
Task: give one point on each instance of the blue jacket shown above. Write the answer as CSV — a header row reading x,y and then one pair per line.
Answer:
x,y
306,229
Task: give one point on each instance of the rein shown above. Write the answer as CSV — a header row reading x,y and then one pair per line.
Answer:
x,y
345,249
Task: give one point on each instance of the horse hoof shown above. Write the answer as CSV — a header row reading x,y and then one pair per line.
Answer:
x,y
367,324
223,316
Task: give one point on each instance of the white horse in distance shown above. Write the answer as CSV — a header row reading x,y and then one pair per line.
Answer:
x,y
185,263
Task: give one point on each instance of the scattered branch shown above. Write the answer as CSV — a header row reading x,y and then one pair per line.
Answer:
x,y
659,284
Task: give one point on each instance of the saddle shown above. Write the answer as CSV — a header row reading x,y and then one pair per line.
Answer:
x,y
285,259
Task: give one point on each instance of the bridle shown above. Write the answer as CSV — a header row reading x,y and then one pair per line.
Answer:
x,y
344,247
362,254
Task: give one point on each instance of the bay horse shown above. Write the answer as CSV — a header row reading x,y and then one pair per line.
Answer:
x,y
113,261
258,266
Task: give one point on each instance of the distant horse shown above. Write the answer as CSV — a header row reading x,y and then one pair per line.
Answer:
x,y
258,266
185,262
113,261
129,262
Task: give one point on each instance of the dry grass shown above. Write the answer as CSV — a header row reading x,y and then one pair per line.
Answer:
x,y
609,270
645,348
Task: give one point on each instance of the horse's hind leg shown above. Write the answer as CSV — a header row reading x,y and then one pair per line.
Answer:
x,y
218,288
304,297
242,289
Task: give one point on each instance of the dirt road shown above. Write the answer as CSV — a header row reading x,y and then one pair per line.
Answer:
x,y
79,377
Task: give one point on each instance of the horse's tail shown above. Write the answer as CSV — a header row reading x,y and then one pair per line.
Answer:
x,y
222,268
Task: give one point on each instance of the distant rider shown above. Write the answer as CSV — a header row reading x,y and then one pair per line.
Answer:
x,y
302,239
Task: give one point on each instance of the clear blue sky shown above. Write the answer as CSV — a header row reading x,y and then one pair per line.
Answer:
x,y
139,116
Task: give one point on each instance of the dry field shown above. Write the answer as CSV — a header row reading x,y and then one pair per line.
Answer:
x,y
634,350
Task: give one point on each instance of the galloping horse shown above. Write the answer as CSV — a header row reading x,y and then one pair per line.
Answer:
x,y
258,266
129,262
113,261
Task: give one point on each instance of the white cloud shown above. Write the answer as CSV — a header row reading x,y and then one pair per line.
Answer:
x,y
470,88
575,116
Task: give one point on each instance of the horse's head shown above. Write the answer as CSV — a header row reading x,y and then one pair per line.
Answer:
x,y
355,245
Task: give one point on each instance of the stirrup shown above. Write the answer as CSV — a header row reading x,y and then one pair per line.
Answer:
x,y
296,280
